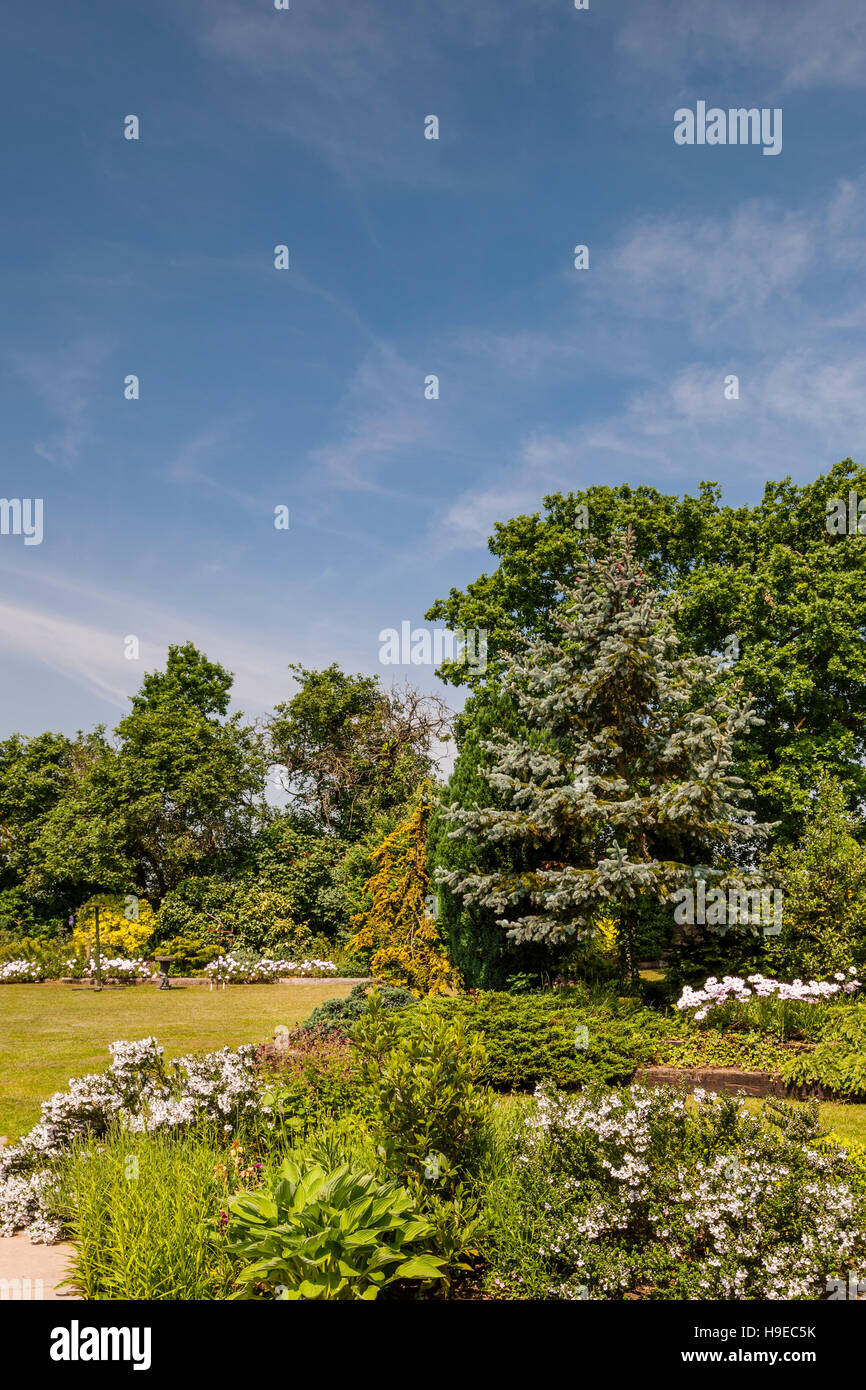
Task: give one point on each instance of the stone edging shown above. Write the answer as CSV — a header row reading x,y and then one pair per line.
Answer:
x,y
205,980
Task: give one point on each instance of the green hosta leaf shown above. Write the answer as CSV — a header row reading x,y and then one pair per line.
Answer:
x,y
416,1230
257,1209
421,1267
367,1236
329,1235
357,1214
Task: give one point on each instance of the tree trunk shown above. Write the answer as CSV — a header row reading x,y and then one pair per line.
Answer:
x,y
628,971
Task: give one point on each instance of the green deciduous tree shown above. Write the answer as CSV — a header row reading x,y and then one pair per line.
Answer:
x,y
823,880
351,750
38,776
180,790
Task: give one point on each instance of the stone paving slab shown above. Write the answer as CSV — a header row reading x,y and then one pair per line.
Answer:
x,y
29,1271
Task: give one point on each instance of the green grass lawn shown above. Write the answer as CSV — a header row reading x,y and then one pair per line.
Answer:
x,y
51,1032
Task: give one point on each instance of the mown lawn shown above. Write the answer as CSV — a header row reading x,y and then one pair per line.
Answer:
x,y
49,1033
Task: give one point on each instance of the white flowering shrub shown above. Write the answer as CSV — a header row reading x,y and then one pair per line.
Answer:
x,y
25,1205
218,1087
239,970
113,968
138,1091
633,1194
122,968
798,1009
21,972
16,972
715,994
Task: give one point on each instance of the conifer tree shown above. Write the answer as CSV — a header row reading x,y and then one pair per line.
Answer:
x,y
622,781
397,926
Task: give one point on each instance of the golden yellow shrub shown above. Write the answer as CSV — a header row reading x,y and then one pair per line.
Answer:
x,y
121,932
397,928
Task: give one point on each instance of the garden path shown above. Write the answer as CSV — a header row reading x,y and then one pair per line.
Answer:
x,y
30,1271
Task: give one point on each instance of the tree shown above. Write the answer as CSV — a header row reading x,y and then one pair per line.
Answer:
x,y
623,777
284,890
293,856
475,943
823,880
37,777
180,793
769,576
352,750
127,926
232,914
397,926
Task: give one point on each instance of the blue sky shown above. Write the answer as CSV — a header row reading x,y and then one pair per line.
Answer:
x,y
305,387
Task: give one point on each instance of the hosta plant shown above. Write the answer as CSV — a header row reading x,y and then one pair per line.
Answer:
x,y
315,1233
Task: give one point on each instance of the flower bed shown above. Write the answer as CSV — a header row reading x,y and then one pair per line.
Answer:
x,y
624,1193
141,1093
114,968
18,972
785,1011
21,972
750,1051
230,969
716,993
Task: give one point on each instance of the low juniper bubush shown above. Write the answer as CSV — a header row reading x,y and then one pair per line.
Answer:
x,y
340,1015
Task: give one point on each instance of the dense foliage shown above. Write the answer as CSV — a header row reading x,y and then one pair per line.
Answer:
x,y
768,575
620,787
838,1061
560,1036
340,1015
635,1194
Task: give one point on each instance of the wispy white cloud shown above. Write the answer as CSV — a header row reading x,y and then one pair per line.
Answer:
x,y
711,271
795,413
204,451
353,73
385,417
522,352
80,651
46,630
469,520
800,44
65,383
734,295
